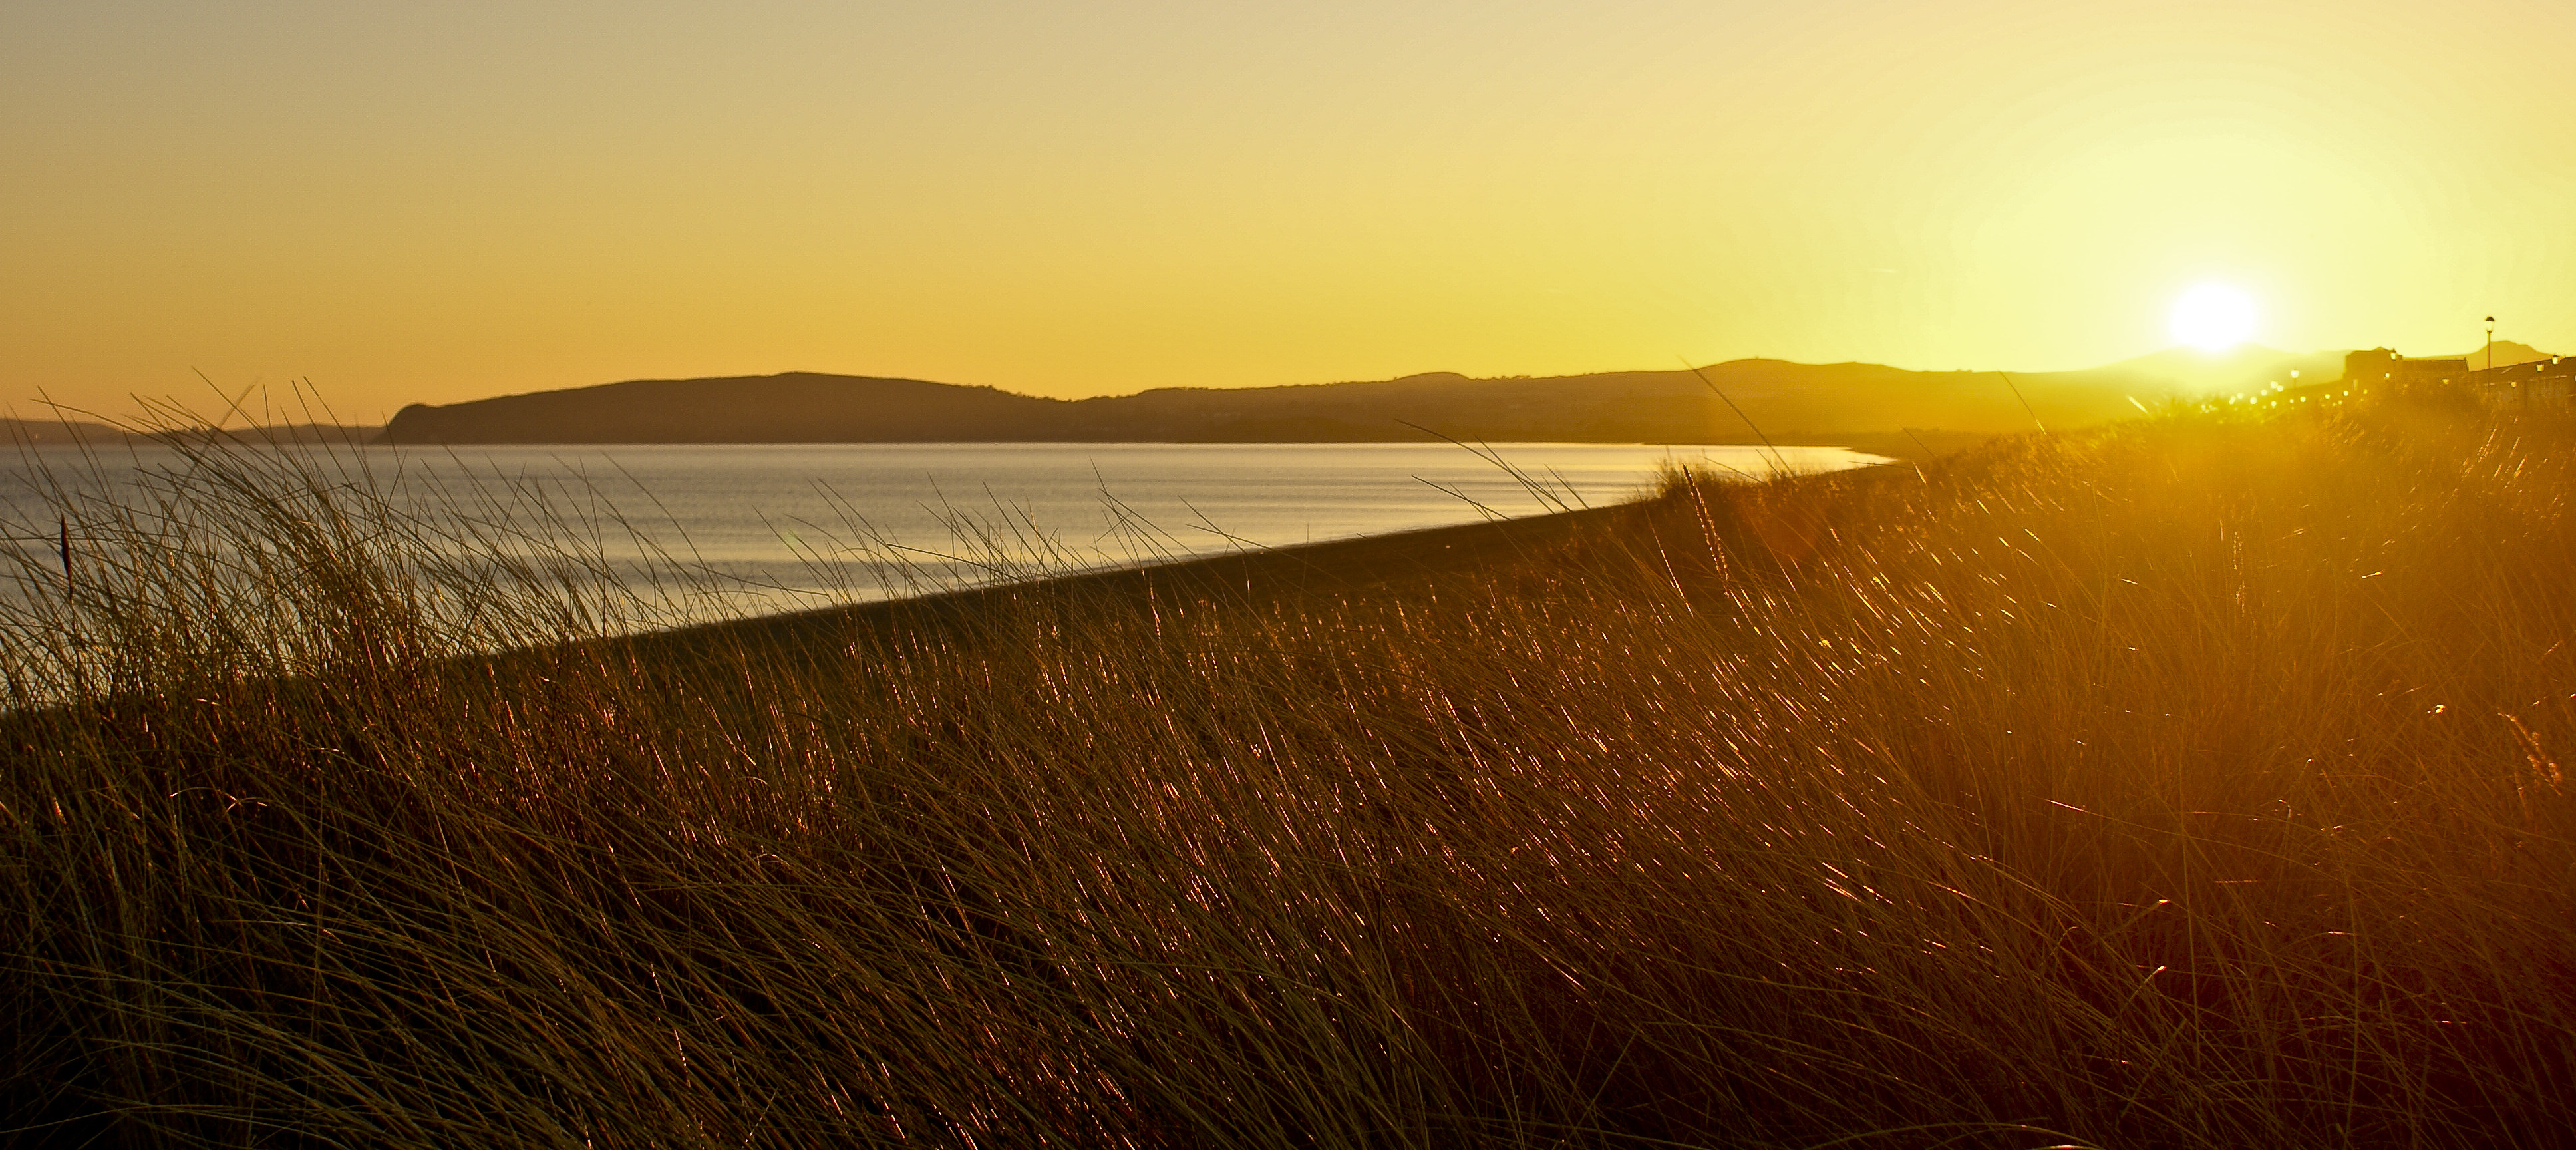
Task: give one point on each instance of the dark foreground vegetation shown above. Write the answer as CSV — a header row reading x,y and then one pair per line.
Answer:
x,y
2190,783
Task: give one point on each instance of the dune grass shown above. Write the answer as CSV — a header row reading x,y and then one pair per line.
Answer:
x,y
2192,782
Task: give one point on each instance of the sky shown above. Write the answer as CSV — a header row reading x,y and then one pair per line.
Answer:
x,y
400,203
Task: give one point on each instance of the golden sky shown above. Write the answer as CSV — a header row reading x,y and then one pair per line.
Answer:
x,y
436,202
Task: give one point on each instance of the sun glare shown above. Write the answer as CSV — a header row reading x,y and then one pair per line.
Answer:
x,y
2213,317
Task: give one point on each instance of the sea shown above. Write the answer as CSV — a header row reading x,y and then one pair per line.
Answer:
x,y
758,528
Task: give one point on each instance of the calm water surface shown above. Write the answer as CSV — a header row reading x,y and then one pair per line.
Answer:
x,y
793,525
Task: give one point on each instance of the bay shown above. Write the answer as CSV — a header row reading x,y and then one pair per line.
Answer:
x,y
768,527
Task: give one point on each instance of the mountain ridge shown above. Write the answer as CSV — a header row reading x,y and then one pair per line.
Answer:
x,y
1881,408
1740,401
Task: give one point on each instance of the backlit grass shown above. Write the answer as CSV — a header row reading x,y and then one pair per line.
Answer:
x,y
2192,782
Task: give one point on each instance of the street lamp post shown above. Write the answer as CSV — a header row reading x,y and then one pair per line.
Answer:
x,y
2490,343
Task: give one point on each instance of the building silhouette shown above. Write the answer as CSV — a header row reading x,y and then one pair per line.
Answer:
x,y
2540,383
2383,368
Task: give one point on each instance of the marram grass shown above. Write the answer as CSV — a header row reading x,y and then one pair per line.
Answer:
x,y
2192,782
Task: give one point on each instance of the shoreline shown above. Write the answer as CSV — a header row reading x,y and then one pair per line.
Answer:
x,y
1253,578
1419,559
1914,444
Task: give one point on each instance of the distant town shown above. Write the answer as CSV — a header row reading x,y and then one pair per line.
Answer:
x,y
2538,383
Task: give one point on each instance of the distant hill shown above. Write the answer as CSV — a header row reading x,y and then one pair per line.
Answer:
x,y
1888,410
796,407
55,432
2507,354
1791,402
52,432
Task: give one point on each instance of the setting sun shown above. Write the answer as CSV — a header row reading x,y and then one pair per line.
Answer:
x,y
2213,317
